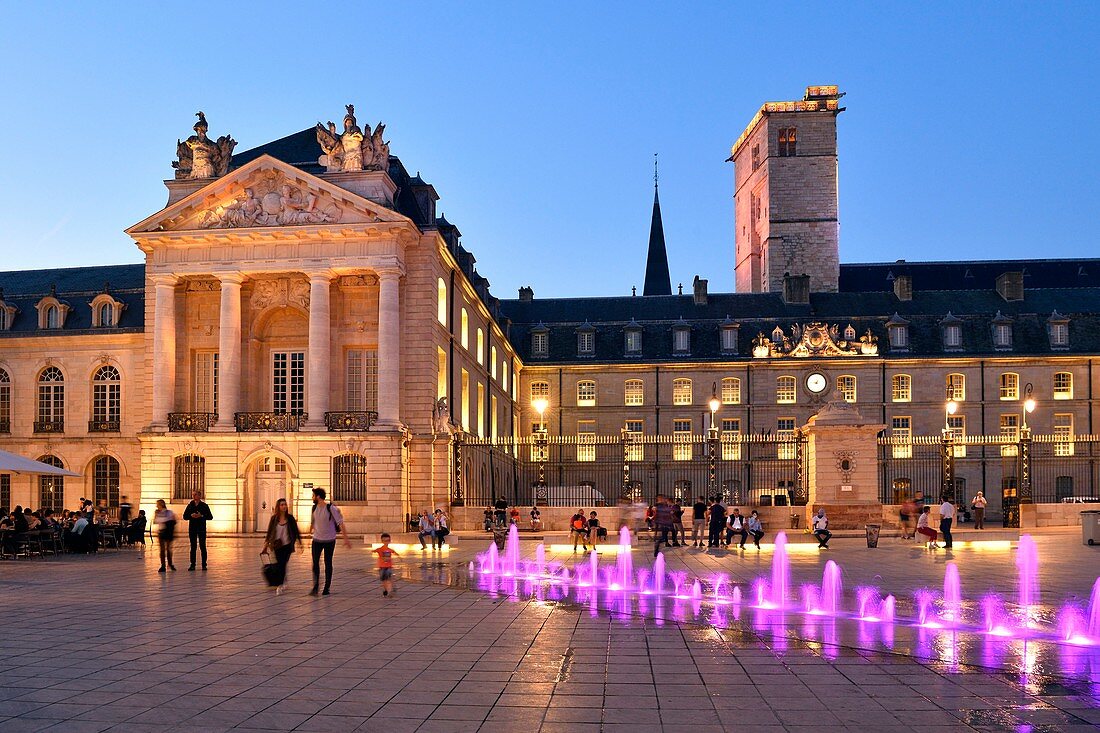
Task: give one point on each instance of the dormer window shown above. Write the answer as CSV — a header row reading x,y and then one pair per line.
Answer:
x,y
681,340
540,342
106,311
7,314
952,332
898,328
1002,332
728,338
1058,331
52,313
586,340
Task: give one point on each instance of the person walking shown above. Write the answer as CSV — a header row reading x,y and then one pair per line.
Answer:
x,y
678,536
756,529
427,529
327,523
947,514
698,521
979,510
386,554
282,535
735,525
717,524
165,520
924,530
125,509
905,514
441,530
197,514
662,522
821,529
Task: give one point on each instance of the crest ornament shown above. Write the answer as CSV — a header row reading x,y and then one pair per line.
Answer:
x,y
813,340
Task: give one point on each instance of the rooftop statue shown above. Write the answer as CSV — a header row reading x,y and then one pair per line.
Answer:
x,y
353,149
201,157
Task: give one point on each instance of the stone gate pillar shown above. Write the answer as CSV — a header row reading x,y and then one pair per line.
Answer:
x,y
842,464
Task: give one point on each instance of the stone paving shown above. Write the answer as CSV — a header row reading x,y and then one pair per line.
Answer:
x,y
106,643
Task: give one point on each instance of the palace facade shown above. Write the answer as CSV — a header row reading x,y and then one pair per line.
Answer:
x,y
303,318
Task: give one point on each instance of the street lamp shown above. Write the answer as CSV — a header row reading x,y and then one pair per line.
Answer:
x,y
1029,404
712,439
713,404
951,408
541,439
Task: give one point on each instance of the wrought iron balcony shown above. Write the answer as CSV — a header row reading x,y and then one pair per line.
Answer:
x,y
191,422
5,426
350,421
104,426
49,426
269,422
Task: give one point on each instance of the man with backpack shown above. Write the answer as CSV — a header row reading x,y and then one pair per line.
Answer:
x,y
327,524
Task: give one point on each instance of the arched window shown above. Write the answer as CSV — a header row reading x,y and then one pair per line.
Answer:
x,y
106,400
731,391
785,390
1010,386
51,401
441,301
634,393
1063,386
349,477
107,315
956,387
901,388
5,402
105,477
51,489
53,317
586,393
681,391
465,334
188,476
846,383
480,346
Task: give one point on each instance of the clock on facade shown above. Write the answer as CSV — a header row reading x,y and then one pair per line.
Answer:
x,y
816,382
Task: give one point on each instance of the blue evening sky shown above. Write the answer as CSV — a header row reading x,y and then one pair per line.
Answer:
x,y
970,132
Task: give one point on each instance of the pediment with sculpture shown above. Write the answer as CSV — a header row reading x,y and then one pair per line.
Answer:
x,y
814,340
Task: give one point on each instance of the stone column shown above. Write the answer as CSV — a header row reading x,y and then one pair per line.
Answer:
x,y
164,349
317,369
229,351
389,349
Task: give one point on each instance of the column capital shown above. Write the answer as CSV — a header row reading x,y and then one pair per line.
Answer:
x,y
326,276
227,278
389,272
160,279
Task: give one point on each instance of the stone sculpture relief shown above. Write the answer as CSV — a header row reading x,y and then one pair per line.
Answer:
x,y
272,201
352,150
280,291
200,157
813,340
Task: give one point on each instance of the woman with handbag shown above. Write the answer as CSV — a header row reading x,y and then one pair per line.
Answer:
x,y
441,530
165,520
282,534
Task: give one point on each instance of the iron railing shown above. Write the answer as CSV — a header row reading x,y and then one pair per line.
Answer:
x,y
49,426
191,422
350,421
104,426
5,426
269,422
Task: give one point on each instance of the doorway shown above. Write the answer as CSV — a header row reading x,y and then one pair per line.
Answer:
x,y
270,486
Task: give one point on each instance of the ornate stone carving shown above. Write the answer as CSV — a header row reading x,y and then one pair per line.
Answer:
x,y
813,340
279,292
200,157
358,281
203,286
352,150
272,201
845,464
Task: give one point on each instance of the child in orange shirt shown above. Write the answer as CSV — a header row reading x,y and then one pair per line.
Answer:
x,y
385,564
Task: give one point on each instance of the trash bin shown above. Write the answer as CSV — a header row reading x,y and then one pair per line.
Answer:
x,y
500,536
872,534
1090,527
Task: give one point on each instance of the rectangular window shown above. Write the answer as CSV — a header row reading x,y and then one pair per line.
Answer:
x,y
1059,334
956,387
1063,386
681,391
785,392
788,139
847,386
481,409
731,391
956,425
504,375
362,379
465,400
586,394
540,343
681,440
1002,335
441,373
755,156
899,337
901,431
480,346
731,439
633,342
1063,434
681,340
901,388
635,448
1010,434
288,382
1010,386
190,476
729,340
586,440
493,417
952,337
586,343
206,382
106,401
634,393
787,449
493,362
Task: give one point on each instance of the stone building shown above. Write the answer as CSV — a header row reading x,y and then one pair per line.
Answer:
x,y
303,317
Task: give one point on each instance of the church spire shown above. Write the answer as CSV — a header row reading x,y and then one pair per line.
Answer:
x,y
657,280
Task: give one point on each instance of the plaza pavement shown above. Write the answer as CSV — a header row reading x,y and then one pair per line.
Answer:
x,y
106,643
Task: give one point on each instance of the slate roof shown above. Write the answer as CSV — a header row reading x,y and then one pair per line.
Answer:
x,y
762,312
970,274
75,286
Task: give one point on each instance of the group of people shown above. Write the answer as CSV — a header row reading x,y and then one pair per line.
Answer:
x,y
665,520
949,511
283,536
501,515
197,513
77,529
433,525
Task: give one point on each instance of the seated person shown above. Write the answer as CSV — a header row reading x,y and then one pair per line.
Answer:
x,y
81,537
33,521
136,528
102,517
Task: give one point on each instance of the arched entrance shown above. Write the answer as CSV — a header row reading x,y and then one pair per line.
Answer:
x,y
269,484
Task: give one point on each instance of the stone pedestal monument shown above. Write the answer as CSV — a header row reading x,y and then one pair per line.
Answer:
x,y
842,464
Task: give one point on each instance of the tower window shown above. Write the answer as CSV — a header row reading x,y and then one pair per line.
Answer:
x,y
788,139
755,156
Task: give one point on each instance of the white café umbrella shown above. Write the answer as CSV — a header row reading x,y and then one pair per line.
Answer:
x,y
13,463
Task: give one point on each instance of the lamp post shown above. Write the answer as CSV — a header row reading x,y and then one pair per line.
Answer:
x,y
542,439
947,456
712,439
1028,406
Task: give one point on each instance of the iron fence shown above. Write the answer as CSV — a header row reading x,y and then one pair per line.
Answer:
x,y
602,470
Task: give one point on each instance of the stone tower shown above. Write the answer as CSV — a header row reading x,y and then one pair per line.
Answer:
x,y
785,194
